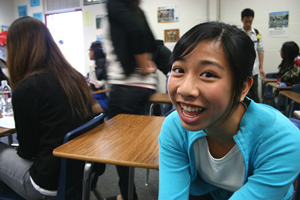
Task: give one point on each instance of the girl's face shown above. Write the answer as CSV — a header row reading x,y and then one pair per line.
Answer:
x,y
91,54
200,87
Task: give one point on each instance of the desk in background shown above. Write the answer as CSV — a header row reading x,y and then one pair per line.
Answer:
x,y
98,91
276,86
7,132
128,140
297,113
294,96
158,98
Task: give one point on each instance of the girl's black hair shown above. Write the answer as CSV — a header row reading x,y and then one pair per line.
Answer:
x,y
238,48
98,50
290,51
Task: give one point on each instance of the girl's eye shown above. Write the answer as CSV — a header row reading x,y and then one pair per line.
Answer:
x,y
208,75
178,70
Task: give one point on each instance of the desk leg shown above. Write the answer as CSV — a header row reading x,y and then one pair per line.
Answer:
x,y
130,183
86,185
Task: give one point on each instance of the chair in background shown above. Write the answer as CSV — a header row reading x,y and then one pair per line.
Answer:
x,y
73,181
268,90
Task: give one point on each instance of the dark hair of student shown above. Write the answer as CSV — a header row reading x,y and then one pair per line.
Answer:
x,y
100,58
31,50
98,50
290,51
247,13
237,45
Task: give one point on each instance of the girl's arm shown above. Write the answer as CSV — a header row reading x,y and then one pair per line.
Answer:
x,y
276,164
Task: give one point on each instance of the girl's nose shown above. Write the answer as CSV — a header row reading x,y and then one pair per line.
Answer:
x,y
188,88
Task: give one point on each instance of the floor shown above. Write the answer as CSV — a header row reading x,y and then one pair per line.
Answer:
x,y
108,184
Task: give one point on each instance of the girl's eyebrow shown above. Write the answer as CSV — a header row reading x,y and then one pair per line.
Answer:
x,y
207,62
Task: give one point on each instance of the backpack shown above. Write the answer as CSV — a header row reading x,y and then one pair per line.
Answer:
x,y
291,76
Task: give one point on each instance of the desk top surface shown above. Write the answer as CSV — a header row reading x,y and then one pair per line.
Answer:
x,y
5,131
268,79
273,84
160,98
128,140
297,113
99,91
291,95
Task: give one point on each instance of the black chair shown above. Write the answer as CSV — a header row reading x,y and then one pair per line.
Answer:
x,y
73,180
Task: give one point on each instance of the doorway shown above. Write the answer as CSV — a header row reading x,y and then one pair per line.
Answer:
x,y
67,31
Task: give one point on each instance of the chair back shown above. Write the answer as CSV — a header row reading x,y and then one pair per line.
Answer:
x,y
272,75
267,89
71,171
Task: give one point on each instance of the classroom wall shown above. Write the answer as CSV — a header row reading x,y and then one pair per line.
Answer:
x,y
191,12
231,13
6,14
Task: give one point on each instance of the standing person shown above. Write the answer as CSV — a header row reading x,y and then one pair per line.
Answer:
x,y
247,19
129,44
220,144
49,98
96,53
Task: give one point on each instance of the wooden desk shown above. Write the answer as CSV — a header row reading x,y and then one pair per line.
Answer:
x,y
268,79
274,85
128,140
297,113
7,132
99,91
158,98
294,96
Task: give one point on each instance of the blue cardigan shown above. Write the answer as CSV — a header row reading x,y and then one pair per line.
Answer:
x,y
268,141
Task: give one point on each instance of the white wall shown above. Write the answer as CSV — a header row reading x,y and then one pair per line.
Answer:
x,y
191,12
6,14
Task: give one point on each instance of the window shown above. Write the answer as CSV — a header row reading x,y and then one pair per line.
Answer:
x,y
90,2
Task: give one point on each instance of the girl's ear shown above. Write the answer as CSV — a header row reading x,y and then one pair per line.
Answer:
x,y
246,87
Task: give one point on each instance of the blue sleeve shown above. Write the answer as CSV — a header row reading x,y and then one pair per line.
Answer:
x,y
174,173
275,163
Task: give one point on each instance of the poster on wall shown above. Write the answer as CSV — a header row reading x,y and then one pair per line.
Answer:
x,y
167,14
171,35
4,28
34,3
39,16
98,21
278,24
22,11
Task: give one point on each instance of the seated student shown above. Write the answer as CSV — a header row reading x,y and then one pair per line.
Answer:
x,y
50,98
289,53
220,144
96,53
287,73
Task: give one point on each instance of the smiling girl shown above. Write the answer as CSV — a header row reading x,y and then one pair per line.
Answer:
x,y
220,144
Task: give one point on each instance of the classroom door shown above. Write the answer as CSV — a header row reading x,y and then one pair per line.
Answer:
x,y
67,31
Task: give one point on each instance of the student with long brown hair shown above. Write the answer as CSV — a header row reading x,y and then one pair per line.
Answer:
x,y
49,98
